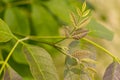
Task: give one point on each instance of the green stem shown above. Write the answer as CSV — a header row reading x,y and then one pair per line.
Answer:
x,y
12,50
8,57
44,37
1,62
63,38
100,47
58,48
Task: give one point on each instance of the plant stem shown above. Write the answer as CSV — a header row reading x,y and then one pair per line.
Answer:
x,y
8,57
63,38
44,37
58,48
1,62
102,48
12,50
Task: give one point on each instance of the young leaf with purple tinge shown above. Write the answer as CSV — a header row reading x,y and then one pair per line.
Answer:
x,y
112,72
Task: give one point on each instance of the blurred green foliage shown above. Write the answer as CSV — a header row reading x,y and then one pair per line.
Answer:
x,y
43,18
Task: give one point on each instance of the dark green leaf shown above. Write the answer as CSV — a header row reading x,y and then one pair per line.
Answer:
x,y
112,72
40,63
5,33
98,30
43,22
18,55
11,74
17,20
22,69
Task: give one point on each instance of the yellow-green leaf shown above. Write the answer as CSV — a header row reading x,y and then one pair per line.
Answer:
x,y
40,62
5,33
73,19
84,6
79,12
86,13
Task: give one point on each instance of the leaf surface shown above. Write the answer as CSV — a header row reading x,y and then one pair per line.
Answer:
x,y
17,20
98,30
5,33
112,72
40,62
11,74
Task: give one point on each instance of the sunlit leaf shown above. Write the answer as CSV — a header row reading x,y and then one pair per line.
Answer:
x,y
40,63
86,13
84,22
73,19
5,33
84,6
79,12
98,30
112,72
88,60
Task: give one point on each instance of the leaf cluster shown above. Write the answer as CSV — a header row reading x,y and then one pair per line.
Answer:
x,y
23,31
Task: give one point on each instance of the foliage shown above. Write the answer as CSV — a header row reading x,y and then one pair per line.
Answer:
x,y
24,29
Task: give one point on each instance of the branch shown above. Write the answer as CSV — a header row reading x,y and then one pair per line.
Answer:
x,y
102,48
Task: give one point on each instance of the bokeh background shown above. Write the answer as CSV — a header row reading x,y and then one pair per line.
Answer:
x,y
46,17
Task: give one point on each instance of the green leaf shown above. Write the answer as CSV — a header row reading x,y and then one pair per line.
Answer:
x,y
22,69
88,60
98,30
18,55
86,13
43,22
112,72
73,19
11,74
5,33
85,60
17,20
84,6
40,63
79,12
